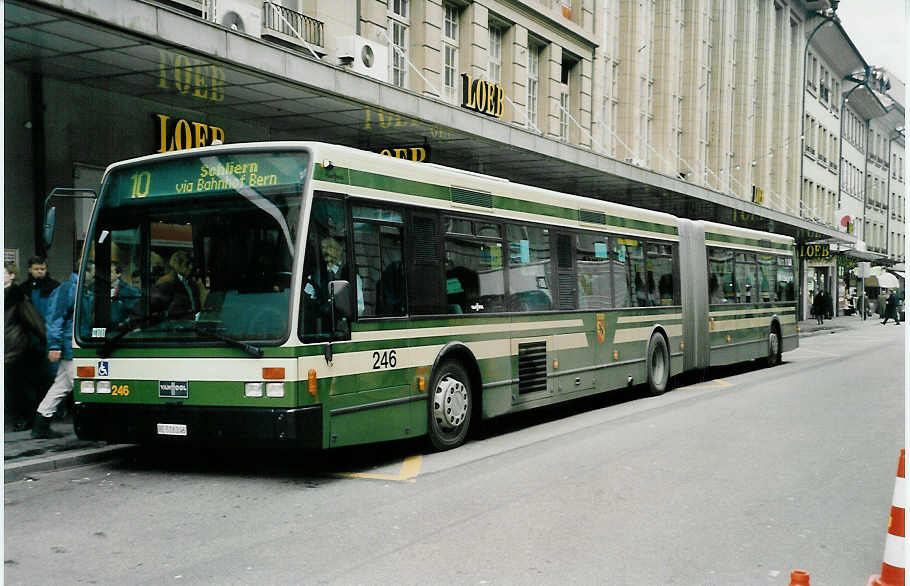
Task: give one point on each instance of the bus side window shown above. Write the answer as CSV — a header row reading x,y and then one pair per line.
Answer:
x,y
767,277
746,290
720,279
326,260
475,281
529,268
593,265
629,281
660,274
378,257
785,288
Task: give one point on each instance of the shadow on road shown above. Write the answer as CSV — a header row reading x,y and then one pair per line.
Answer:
x,y
315,468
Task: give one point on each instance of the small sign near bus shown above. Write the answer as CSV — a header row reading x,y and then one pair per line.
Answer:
x,y
173,389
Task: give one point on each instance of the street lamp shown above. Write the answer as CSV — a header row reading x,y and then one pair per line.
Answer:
x,y
828,15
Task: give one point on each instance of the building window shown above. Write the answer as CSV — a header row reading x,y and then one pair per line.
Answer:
x,y
398,24
564,115
534,52
450,52
494,71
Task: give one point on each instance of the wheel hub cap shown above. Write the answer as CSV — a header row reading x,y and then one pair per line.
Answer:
x,y
450,403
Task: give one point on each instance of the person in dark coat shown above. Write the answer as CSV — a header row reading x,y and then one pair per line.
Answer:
x,y
24,341
39,286
818,308
829,304
891,310
38,289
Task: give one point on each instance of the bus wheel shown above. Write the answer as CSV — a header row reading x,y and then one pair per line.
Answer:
x,y
658,365
450,406
773,347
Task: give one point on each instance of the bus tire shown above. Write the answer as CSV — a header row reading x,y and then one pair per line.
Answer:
x,y
657,363
774,346
450,405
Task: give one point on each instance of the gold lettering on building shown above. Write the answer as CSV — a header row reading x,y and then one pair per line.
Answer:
x,y
181,134
190,76
482,96
416,154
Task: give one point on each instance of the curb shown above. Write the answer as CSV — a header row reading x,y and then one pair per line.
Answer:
x,y
13,471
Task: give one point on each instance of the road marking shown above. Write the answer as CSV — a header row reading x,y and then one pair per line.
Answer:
x,y
410,469
711,384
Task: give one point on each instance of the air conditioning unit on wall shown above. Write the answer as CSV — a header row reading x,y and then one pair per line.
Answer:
x,y
243,16
363,56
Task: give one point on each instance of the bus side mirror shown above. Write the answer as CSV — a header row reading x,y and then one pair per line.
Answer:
x,y
50,214
50,220
342,308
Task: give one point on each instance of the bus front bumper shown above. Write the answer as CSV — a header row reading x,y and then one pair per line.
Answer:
x,y
298,427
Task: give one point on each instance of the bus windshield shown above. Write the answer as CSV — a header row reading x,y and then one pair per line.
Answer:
x,y
193,249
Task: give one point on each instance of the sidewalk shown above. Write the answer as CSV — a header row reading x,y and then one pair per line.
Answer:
x,y
23,455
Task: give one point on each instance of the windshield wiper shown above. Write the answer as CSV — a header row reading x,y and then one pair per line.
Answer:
x,y
133,323
212,330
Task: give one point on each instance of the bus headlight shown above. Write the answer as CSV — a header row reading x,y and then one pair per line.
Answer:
x,y
274,389
87,387
104,386
252,389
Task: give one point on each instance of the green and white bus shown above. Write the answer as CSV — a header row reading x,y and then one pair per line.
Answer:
x,y
313,295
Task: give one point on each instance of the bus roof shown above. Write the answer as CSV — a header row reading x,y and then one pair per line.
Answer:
x,y
366,161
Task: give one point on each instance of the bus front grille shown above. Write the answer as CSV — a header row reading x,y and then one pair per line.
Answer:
x,y
532,367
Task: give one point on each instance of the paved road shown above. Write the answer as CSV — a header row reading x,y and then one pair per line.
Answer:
x,y
737,480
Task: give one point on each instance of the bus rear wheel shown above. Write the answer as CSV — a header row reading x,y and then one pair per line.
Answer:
x,y
774,350
450,405
658,365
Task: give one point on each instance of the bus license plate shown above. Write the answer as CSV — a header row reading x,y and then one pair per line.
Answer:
x,y
171,429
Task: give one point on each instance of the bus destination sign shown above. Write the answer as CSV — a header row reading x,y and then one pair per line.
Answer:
x,y
207,175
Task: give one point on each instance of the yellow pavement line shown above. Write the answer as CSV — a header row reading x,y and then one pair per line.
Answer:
x,y
711,384
410,469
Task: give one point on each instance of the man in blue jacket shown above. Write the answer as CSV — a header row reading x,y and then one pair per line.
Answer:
x,y
60,352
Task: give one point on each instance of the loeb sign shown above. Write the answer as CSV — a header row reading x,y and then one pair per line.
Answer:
x,y
481,96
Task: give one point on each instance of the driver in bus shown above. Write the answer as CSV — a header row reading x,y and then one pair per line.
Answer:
x,y
177,291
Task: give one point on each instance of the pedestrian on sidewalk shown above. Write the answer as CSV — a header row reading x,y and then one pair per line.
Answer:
x,y
23,352
818,308
891,310
38,288
60,352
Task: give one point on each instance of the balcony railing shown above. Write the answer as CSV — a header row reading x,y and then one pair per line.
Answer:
x,y
290,27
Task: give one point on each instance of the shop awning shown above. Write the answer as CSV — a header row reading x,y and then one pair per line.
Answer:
x,y
883,280
863,255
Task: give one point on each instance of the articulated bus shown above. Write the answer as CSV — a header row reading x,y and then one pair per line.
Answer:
x,y
313,295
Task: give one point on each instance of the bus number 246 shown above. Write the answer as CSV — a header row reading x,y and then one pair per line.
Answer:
x,y
384,359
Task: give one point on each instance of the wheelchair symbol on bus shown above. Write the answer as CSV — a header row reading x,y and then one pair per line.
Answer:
x,y
103,369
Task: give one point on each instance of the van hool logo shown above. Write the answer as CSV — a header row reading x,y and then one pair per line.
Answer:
x,y
174,388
